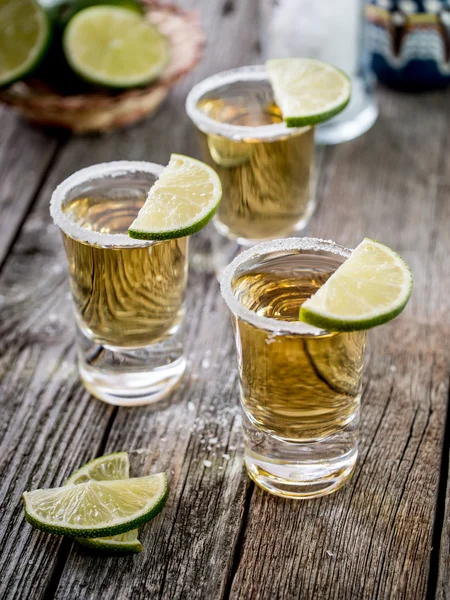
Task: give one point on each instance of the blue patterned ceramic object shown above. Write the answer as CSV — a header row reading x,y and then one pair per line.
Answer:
x,y
409,42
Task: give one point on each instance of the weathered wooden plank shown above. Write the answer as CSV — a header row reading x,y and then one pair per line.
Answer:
x,y
443,576
441,270
378,528
373,538
25,154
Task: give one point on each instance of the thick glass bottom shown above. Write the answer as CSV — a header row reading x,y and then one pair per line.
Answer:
x,y
131,377
301,470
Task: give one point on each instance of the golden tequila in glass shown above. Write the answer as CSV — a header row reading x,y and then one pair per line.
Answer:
x,y
128,295
266,168
300,386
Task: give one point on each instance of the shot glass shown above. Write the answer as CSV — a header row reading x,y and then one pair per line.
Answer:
x,y
128,294
266,168
300,387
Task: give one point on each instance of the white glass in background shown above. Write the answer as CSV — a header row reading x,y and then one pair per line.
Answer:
x,y
332,31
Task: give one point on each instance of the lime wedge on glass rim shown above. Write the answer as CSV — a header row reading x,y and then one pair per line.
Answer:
x,y
115,47
96,508
181,202
368,289
308,91
25,35
107,468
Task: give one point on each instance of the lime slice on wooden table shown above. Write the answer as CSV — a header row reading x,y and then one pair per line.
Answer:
x,y
25,34
107,468
114,47
97,508
308,91
182,201
368,289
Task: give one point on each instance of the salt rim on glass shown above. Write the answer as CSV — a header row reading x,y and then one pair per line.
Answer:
x,y
237,133
96,173
267,323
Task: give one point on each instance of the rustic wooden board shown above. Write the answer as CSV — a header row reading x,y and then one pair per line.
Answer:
x,y
26,155
218,536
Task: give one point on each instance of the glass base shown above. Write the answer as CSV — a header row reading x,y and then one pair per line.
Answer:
x,y
354,121
300,470
131,376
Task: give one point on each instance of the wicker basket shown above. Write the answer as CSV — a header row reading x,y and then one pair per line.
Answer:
x,y
84,113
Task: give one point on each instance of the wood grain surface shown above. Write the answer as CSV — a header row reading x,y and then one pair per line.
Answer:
x,y
384,535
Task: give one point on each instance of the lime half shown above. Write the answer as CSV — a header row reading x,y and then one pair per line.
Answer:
x,y
370,288
114,47
107,468
308,91
24,38
181,202
97,508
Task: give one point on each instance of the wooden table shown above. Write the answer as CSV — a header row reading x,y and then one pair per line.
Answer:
x,y
386,534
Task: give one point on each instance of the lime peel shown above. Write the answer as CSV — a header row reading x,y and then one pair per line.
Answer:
x,y
372,287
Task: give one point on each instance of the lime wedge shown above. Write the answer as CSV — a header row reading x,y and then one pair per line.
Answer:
x,y
114,47
125,543
97,508
24,38
107,468
181,202
308,91
368,289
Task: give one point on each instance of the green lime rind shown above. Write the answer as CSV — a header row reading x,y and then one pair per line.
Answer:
x,y
318,118
114,544
179,233
75,53
329,324
37,53
322,321
122,525
104,468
